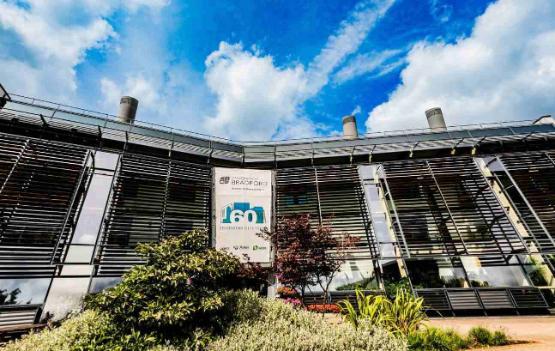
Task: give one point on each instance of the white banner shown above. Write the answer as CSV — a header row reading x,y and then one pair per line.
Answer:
x,y
243,207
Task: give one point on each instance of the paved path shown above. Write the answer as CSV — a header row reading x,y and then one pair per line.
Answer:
x,y
538,329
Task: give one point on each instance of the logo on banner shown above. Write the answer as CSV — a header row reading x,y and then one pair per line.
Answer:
x,y
224,180
243,213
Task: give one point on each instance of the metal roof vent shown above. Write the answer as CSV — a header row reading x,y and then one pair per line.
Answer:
x,y
435,119
350,127
127,109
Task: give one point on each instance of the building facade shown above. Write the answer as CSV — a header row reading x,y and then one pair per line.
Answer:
x,y
464,216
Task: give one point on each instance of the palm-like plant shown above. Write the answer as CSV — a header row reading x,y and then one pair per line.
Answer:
x,y
368,307
405,312
403,315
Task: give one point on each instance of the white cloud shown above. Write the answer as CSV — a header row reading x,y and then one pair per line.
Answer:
x,y
345,41
254,96
134,5
505,70
440,11
136,86
357,110
377,64
258,100
55,36
243,94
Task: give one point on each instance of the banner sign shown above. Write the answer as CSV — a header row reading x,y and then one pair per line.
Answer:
x,y
243,207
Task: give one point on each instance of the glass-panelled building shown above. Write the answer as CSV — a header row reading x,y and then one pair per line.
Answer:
x,y
465,216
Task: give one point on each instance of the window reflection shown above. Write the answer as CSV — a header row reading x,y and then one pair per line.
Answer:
x,y
355,274
92,212
65,296
352,274
105,160
23,291
436,273
99,284
538,271
483,272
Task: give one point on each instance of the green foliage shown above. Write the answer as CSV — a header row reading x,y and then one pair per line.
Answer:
x,y
87,331
436,339
499,338
179,301
402,315
480,336
372,308
391,287
177,291
281,327
405,313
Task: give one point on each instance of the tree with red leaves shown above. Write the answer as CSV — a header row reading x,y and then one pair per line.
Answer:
x,y
306,254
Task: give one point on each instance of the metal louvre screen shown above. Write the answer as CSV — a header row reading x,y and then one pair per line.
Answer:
x,y
151,198
530,184
332,195
38,180
446,207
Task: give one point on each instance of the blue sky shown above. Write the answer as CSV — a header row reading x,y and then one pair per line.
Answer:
x,y
254,70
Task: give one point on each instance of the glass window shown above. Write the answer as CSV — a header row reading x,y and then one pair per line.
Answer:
x,y
391,271
105,160
99,284
355,274
538,271
435,273
91,215
482,273
79,254
23,291
77,270
65,296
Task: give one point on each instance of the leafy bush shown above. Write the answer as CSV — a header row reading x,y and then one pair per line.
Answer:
x,y
179,301
499,338
392,286
480,336
282,327
437,339
402,315
177,292
371,308
87,331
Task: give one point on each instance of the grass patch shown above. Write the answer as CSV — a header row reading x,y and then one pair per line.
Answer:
x,y
437,339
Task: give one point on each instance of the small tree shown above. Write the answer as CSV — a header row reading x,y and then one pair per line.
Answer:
x,y
307,255
179,289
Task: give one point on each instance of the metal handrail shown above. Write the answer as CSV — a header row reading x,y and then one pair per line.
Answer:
x,y
58,107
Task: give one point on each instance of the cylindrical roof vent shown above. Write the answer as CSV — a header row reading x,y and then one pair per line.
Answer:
x,y
127,109
350,127
435,119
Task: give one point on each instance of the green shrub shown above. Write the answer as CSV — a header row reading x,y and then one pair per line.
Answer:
x,y
480,336
281,327
178,290
402,315
405,313
436,339
371,308
87,331
179,301
499,338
